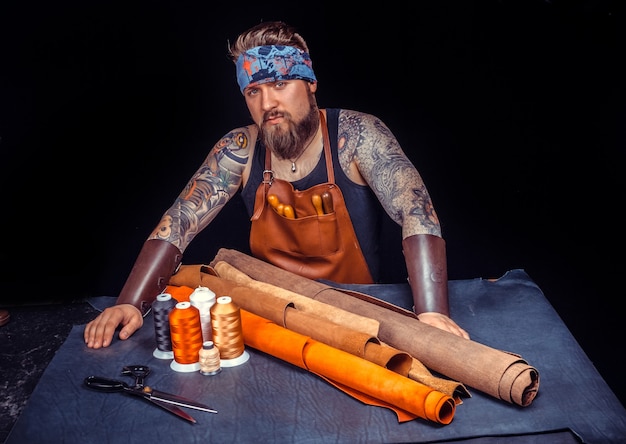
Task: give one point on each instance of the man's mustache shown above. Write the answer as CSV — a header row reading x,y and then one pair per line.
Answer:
x,y
273,114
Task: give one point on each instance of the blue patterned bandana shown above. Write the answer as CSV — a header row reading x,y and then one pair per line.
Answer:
x,y
272,63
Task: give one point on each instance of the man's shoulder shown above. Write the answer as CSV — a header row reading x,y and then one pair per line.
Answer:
x,y
246,129
351,112
347,116
241,137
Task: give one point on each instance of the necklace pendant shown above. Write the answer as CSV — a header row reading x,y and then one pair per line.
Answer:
x,y
293,167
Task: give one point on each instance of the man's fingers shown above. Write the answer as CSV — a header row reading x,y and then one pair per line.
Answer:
x,y
99,332
443,322
131,327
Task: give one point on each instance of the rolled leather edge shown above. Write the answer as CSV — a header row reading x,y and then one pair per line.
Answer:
x,y
519,384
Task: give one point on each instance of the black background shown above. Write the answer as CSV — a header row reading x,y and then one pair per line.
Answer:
x,y
513,112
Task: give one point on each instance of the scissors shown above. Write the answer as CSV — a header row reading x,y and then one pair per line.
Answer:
x,y
164,400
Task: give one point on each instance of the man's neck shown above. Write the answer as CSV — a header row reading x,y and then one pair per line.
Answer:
x,y
303,163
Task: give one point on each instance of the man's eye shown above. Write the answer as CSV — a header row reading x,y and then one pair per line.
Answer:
x,y
252,91
280,84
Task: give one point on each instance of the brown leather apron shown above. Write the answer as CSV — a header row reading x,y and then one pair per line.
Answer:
x,y
310,245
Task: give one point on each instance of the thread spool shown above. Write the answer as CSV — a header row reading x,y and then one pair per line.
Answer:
x,y
203,299
186,335
209,359
227,332
161,309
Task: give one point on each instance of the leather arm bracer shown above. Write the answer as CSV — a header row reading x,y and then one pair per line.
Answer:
x,y
158,260
425,257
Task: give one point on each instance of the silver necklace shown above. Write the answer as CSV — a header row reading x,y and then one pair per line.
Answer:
x,y
293,162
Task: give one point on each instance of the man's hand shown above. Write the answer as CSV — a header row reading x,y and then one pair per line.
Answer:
x,y
99,332
443,322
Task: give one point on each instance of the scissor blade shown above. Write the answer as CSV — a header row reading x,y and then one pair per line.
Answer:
x,y
173,409
179,400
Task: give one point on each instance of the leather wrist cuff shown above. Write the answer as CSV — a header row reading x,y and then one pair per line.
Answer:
x,y
157,261
425,257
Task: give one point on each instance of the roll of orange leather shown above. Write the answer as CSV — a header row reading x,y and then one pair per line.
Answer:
x,y
364,380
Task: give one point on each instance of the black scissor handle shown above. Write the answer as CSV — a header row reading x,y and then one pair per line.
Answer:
x,y
139,372
105,384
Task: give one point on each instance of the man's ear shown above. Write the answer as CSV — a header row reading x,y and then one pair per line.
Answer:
x,y
312,86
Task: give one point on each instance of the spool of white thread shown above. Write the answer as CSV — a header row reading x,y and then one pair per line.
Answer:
x,y
203,299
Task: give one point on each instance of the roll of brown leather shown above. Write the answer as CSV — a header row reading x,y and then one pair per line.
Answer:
x,y
498,373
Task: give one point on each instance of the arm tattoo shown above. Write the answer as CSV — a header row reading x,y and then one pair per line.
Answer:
x,y
208,190
367,141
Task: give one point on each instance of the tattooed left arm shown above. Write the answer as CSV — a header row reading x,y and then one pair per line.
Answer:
x,y
368,145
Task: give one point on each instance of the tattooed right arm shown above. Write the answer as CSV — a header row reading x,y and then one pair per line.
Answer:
x,y
209,189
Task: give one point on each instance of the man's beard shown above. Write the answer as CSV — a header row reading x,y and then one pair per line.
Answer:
x,y
288,144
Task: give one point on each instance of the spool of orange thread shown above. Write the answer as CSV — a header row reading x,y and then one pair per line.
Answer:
x,y
227,332
186,334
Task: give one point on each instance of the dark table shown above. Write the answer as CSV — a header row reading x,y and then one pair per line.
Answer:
x,y
268,400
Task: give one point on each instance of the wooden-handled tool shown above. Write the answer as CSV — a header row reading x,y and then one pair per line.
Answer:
x,y
327,202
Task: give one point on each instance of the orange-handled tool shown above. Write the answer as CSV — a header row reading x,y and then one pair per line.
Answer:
x,y
289,212
273,200
317,203
280,209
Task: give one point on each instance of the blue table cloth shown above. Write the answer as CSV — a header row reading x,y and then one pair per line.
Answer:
x,y
268,400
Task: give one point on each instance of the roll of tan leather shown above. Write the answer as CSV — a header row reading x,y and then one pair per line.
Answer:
x,y
336,328
194,275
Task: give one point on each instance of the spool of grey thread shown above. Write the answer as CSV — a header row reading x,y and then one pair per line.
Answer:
x,y
161,308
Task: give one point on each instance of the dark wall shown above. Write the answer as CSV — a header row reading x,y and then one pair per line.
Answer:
x,y
512,111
